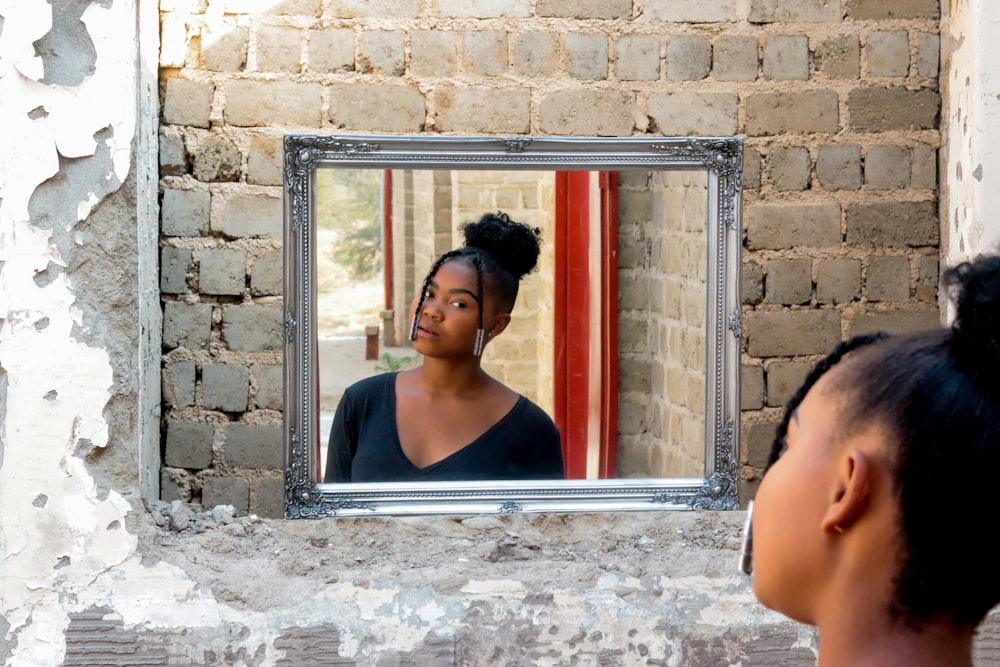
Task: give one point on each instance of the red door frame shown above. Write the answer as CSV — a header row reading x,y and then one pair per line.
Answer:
x,y
387,236
609,325
586,354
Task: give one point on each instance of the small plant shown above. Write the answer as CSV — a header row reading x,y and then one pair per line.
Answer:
x,y
391,363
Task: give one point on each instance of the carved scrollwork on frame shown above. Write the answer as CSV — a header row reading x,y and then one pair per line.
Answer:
x,y
299,488
722,487
517,144
723,157
718,497
720,491
735,323
675,499
719,158
729,166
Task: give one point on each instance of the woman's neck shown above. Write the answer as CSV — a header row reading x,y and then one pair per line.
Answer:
x,y
862,642
448,377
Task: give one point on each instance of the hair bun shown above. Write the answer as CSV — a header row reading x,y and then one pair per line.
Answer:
x,y
975,288
514,245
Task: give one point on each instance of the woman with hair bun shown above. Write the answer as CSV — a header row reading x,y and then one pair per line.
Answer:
x,y
874,518
448,419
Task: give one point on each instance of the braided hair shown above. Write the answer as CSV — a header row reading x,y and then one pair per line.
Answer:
x,y
936,394
500,249
821,367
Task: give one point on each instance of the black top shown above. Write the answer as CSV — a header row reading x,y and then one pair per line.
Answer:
x,y
364,444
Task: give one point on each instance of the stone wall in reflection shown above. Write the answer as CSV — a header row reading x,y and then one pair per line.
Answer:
x,y
663,245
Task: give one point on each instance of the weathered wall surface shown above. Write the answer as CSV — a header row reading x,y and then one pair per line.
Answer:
x,y
89,574
838,102
971,124
79,316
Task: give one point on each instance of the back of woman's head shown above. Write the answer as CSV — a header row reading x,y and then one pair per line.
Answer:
x,y
936,394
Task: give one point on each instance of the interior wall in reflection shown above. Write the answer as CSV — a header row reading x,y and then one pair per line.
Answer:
x,y
662,265
662,315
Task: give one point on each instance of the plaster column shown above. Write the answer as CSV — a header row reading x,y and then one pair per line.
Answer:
x,y
970,156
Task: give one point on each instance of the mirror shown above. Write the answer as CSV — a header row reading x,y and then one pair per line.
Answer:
x,y
628,333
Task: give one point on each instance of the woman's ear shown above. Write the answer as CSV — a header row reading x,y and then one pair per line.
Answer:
x,y
500,323
851,493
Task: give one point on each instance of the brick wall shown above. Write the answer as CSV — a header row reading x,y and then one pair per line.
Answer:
x,y
838,102
663,298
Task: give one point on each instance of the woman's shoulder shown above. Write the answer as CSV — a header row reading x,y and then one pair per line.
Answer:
x,y
374,383
527,410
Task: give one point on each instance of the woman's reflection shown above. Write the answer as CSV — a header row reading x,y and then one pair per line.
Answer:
x,y
448,419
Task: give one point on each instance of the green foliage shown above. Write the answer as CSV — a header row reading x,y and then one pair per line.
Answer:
x,y
391,363
359,251
349,202
345,197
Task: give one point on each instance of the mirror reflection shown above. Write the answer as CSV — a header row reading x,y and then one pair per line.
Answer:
x,y
641,242
625,336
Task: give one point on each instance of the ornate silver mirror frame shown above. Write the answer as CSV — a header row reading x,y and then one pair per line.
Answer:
x,y
720,158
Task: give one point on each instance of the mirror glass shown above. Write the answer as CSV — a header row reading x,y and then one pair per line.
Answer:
x,y
627,334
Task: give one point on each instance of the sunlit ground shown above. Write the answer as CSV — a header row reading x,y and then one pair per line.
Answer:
x,y
344,305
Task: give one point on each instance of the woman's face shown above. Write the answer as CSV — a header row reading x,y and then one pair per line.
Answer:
x,y
790,563
449,318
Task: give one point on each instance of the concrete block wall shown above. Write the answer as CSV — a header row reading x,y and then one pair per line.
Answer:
x,y
838,103
103,574
663,300
403,284
681,202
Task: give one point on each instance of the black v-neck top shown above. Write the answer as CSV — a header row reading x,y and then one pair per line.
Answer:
x,y
364,443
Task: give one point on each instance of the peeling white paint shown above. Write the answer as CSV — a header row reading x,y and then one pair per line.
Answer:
x,y
70,550
430,612
971,125
86,206
494,587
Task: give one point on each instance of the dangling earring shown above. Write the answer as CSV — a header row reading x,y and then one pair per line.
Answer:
x,y
478,349
413,326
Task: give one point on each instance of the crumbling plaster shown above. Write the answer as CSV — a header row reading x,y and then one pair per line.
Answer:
x,y
83,556
69,333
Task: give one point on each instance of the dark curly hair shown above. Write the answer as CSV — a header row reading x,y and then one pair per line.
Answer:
x,y
937,393
501,250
